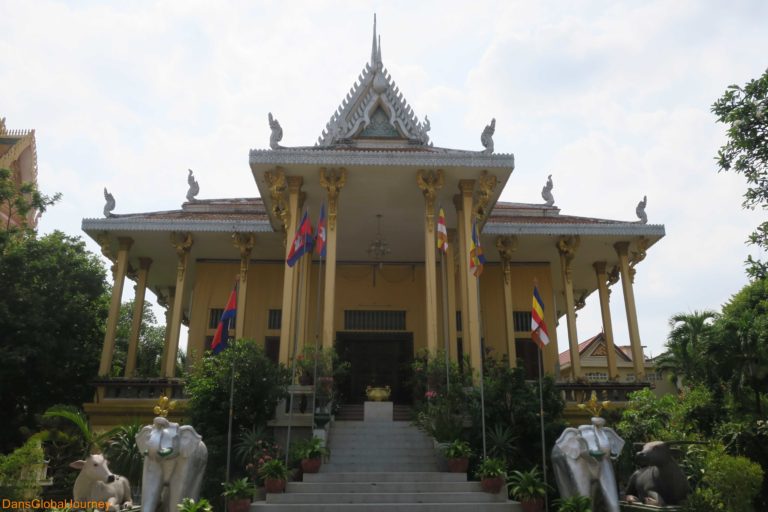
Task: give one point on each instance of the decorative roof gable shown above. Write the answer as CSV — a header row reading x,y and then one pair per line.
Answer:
x,y
374,108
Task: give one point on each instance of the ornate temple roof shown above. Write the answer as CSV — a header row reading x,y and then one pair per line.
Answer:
x,y
374,107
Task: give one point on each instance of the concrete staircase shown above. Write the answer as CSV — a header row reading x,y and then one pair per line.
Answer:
x,y
383,466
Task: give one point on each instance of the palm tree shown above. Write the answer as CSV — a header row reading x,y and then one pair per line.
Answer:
x,y
686,343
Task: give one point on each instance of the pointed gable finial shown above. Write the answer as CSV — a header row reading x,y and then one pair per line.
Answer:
x,y
374,49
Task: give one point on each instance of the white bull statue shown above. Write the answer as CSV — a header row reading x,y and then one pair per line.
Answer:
x,y
97,483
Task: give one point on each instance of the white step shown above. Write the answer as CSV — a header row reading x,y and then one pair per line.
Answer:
x,y
388,476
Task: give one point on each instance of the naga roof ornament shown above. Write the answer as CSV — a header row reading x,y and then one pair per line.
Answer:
x,y
374,107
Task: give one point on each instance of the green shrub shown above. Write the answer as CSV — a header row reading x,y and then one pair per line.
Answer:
x,y
736,480
20,471
458,450
574,504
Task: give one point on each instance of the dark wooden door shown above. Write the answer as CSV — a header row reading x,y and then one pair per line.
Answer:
x,y
376,359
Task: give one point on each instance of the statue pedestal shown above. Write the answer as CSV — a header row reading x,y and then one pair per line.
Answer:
x,y
378,411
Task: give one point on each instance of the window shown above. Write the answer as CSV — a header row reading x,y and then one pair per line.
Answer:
x,y
214,318
274,318
522,321
597,376
366,320
630,377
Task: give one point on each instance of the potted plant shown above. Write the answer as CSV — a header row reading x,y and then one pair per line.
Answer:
x,y
238,494
310,452
275,473
190,505
529,489
457,453
493,474
574,504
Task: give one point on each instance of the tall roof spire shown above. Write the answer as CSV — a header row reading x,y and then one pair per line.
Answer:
x,y
374,50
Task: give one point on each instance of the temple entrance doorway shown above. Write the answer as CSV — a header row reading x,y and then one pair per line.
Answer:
x,y
376,359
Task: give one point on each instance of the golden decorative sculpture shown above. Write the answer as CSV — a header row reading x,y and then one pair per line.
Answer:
x,y
430,182
164,406
278,184
567,246
506,245
378,394
486,183
593,406
333,180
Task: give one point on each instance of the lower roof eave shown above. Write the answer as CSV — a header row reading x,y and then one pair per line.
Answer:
x,y
619,229
192,225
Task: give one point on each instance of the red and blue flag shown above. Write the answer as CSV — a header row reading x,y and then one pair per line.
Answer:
x,y
321,233
302,241
219,342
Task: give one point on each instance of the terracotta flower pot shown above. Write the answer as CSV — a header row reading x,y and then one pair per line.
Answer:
x,y
534,505
273,485
311,465
493,484
458,465
239,505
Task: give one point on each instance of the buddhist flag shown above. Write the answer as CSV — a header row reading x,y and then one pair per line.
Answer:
x,y
302,241
442,232
321,237
219,342
538,327
476,257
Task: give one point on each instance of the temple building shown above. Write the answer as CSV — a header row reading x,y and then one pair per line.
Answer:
x,y
383,292
18,155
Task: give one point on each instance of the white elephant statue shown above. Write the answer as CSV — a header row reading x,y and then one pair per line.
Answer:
x,y
581,459
174,463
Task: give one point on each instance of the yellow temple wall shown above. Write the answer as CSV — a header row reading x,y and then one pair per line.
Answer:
x,y
366,286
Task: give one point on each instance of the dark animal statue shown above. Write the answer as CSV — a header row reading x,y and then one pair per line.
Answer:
x,y
659,480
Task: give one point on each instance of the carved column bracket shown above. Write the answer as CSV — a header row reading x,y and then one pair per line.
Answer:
x,y
333,180
486,183
430,181
244,242
567,246
506,245
278,186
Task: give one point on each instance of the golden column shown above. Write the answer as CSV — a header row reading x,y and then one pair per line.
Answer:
x,y
244,242
182,243
169,301
567,246
507,245
605,310
463,263
121,268
138,311
471,324
430,182
450,268
332,180
622,249
291,215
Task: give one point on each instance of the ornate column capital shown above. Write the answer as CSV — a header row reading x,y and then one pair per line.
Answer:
x,y
333,180
145,263
622,248
124,243
467,187
104,244
600,267
430,181
245,243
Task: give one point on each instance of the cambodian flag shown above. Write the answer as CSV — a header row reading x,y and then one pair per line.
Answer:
x,y
219,342
302,241
321,233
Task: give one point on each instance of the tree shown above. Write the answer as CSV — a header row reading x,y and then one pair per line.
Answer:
x,y
53,304
151,342
19,199
739,350
745,111
685,345
258,386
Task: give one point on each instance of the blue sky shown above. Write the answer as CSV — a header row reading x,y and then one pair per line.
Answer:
x,y
611,98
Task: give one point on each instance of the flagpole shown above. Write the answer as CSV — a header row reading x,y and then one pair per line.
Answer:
x,y
446,320
231,397
317,316
541,421
482,358
295,354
